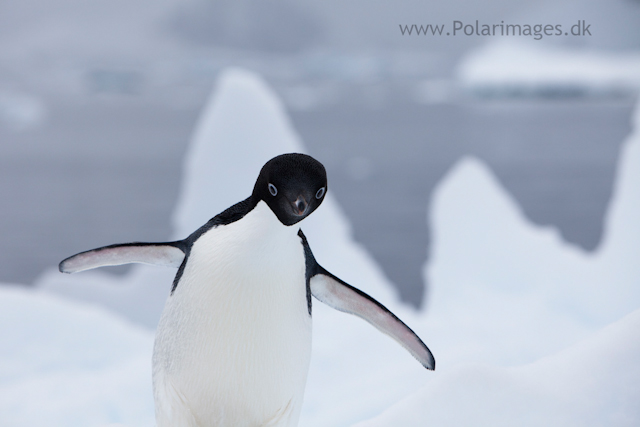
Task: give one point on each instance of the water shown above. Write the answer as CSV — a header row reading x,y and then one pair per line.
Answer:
x,y
108,171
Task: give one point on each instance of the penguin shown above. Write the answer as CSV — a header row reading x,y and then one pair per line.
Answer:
x,y
233,344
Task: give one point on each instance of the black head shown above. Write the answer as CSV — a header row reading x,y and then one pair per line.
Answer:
x,y
293,185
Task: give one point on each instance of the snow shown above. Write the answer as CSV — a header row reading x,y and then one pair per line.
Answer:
x,y
69,364
516,318
521,68
593,383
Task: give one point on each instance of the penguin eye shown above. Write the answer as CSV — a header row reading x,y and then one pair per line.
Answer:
x,y
272,189
320,193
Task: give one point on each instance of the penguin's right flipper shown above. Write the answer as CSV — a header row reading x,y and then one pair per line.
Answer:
x,y
170,254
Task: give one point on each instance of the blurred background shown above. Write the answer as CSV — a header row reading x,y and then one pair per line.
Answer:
x,y
98,101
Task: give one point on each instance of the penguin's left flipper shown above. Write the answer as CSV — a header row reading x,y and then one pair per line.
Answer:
x,y
168,254
332,291
337,294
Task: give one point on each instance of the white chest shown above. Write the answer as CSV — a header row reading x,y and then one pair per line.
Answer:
x,y
234,341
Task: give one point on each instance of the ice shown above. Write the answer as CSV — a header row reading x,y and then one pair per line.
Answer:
x,y
521,68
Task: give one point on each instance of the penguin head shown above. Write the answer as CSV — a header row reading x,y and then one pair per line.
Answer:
x,y
292,185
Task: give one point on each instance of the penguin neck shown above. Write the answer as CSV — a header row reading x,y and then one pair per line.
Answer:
x,y
255,239
263,222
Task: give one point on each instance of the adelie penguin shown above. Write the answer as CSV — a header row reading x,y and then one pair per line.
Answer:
x,y
234,341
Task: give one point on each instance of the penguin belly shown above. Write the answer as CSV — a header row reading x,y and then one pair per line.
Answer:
x,y
234,341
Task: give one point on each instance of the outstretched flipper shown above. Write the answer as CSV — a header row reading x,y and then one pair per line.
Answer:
x,y
168,254
337,294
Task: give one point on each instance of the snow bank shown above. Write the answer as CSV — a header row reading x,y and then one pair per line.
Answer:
x,y
592,383
520,68
63,363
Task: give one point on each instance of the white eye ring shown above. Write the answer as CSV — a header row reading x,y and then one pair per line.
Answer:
x,y
272,189
320,193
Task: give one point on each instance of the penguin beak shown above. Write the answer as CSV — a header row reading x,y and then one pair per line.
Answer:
x,y
300,206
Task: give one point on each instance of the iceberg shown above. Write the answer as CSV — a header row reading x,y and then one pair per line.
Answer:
x,y
525,69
